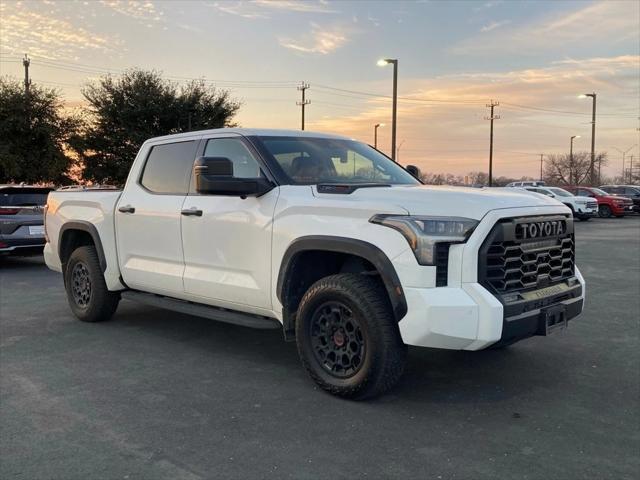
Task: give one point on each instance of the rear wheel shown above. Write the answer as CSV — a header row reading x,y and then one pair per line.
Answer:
x,y
604,211
347,337
87,292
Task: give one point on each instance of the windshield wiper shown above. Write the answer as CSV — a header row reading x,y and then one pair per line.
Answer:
x,y
347,188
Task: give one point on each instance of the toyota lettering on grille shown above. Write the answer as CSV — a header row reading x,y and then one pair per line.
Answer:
x,y
552,228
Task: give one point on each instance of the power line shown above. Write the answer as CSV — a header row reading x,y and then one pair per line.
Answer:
x,y
93,69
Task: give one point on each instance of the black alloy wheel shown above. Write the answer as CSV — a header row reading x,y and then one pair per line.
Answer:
x,y
337,339
81,284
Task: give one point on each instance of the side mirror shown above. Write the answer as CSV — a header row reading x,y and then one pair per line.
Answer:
x,y
413,170
214,176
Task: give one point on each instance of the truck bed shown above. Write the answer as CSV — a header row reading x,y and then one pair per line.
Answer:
x,y
88,210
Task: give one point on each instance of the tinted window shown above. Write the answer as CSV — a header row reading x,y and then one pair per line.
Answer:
x,y
168,167
23,197
631,191
245,164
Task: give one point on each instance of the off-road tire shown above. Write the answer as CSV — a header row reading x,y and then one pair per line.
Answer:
x,y
604,211
383,352
87,292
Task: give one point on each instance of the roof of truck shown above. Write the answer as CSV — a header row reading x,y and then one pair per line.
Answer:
x,y
265,132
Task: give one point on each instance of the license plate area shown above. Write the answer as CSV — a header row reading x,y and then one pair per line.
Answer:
x,y
552,320
36,230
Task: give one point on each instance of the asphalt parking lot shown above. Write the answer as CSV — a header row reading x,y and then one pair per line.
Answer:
x,y
158,395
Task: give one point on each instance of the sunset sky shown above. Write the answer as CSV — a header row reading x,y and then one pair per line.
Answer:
x,y
534,57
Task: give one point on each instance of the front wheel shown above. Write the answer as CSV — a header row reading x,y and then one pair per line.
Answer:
x,y
87,292
347,337
604,211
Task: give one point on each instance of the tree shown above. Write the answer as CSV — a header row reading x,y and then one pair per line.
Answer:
x,y
126,111
478,178
34,134
567,170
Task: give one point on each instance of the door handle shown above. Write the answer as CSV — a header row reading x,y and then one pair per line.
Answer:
x,y
127,209
191,212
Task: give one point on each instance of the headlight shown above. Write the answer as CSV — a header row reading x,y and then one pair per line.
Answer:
x,y
424,233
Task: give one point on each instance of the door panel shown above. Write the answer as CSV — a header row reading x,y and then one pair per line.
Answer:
x,y
148,220
149,245
227,250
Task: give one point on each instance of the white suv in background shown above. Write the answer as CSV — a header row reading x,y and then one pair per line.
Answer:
x,y
527,183
582,207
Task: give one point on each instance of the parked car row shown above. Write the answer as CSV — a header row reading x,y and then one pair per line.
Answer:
x,y
587,202
22,229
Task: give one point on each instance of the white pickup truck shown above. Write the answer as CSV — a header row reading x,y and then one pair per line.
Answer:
x,y
325,238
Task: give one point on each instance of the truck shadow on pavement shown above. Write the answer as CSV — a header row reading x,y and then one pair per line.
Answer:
x,y
261,357
22,263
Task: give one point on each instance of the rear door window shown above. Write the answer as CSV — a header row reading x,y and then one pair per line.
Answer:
x,y
168,168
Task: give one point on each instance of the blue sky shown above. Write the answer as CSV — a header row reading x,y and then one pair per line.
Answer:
x,y
453,58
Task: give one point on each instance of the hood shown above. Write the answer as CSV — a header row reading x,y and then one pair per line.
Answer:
x,y
454,201
617,197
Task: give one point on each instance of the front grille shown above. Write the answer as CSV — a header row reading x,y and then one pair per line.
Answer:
x,y
515,258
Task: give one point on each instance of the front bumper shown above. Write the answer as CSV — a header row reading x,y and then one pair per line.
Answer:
x,y
465,315
471,318
622,209
587,210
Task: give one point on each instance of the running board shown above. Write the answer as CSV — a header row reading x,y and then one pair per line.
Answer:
x,y
200,310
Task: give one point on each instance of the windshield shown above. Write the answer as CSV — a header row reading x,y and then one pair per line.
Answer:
x,y
309,161
560,192
597,191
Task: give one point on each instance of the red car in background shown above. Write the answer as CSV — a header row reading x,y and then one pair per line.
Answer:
x,y
608,205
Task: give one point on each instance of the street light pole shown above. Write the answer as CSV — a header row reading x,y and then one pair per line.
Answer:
x,y
398,151
541,156
394,112
375,134
592,172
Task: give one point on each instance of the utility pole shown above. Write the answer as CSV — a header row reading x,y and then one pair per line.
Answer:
x,y
631,169
26,61
303,103
624,175
491,118
571,165
541,156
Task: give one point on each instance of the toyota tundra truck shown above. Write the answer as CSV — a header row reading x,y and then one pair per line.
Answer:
x,y
325,238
